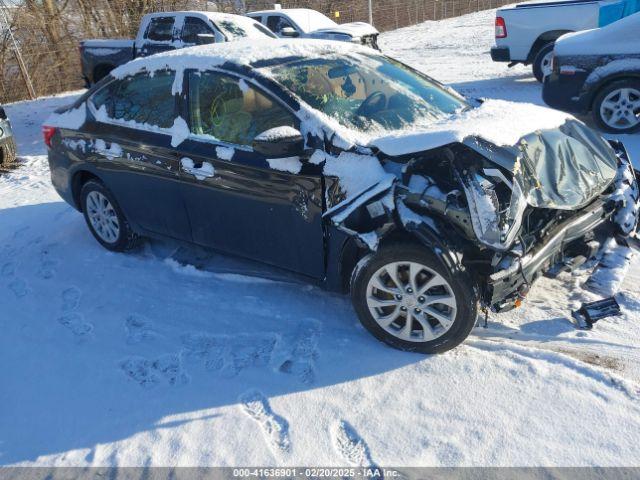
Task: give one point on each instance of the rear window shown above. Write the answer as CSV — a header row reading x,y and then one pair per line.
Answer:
x,y
141,98
161,29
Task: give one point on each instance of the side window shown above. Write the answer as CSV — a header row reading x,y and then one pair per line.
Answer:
x,y
194,27
276,23
141,98
160,29
228,109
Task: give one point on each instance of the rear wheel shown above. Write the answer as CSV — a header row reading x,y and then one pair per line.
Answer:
x,y
542,63
616,108
408,299
105,219
8,152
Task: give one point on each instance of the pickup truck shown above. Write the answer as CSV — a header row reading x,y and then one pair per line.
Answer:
x,y
308,23
164,31
526,32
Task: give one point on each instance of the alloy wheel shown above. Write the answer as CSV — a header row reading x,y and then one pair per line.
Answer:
x,y
411,301
103,217
620,109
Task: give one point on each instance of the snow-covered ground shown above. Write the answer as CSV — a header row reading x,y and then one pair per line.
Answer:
x,y
144,359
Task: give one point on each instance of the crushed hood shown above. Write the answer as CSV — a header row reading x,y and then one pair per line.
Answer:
x,y
355,29
564,168
558,162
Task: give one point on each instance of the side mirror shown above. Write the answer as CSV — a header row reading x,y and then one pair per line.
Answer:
x,y
279,142
289,32
205,38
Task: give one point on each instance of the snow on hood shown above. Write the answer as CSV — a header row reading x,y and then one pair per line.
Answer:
x,y
621,37
355,29
500,122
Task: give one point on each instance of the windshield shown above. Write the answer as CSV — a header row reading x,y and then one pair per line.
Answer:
x,y
310,20
367,92
235,27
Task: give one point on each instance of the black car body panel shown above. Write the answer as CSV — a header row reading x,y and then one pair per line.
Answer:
x,y
233,201
574,82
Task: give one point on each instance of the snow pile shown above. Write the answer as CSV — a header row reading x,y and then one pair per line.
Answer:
x,y
225,153
609,274
179,131
628,197
498,121
356,172
288,164
112,151
72,119
202,172
277,133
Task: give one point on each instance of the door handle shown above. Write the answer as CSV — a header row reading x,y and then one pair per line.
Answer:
x,y
198,172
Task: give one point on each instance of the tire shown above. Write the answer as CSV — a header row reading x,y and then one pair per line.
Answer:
x,y
610,101
108,225
460,313
542,62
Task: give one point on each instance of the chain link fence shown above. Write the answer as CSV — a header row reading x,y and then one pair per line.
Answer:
x,y
39,38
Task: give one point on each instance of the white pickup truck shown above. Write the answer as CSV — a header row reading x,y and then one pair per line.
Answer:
x,y
526,32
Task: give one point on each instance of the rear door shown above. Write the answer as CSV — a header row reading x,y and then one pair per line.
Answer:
x,y
130,145
160,36
239,201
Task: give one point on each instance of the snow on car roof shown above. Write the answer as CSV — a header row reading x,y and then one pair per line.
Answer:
x,y
243,52
621,37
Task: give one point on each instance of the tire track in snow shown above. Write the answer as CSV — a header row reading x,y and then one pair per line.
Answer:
x,y
350,446
274,427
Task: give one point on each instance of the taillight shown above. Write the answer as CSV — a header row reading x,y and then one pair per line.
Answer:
x,y
48,133
501,28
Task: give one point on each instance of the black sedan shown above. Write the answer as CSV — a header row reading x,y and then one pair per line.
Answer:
x,y
598,71
344,166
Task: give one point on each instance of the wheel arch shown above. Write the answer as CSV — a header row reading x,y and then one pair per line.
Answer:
x,y
595,90
79,178
542,40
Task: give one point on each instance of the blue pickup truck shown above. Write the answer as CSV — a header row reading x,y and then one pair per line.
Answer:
x,y
164,31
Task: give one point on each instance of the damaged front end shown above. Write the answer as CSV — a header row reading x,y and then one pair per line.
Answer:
x,y
504,214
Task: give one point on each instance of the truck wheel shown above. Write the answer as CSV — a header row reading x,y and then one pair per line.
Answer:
x,y
616,108
105,219
408,299
542,63
8,153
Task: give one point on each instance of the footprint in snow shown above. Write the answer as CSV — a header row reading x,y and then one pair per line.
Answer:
x,y
71,299
297,353
47,264
19,288
8,269
139,329
76,324
148,373
274,427
350,446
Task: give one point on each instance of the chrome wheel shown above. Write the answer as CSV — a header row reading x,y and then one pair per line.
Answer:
x,y
103,217
546,64
620,109
411,301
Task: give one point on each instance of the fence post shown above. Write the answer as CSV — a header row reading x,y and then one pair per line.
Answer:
x,y
19,59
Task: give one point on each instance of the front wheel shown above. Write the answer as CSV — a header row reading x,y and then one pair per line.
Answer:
x,y
104,218
408,299
616,108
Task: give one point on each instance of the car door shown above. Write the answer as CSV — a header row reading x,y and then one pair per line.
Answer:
x,y
130,146
159,37
239,201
